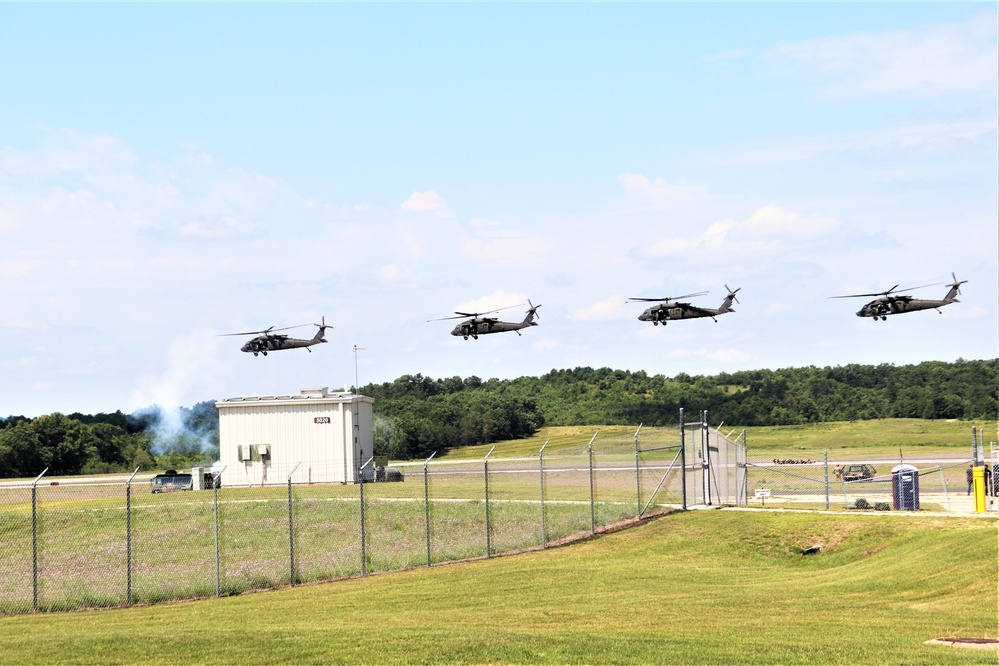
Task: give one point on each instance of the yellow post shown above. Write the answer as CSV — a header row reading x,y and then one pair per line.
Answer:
x,y
978,480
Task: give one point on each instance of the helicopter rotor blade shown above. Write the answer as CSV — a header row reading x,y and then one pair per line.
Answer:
x,y
669,298
889,292
733,293
534,308
473,315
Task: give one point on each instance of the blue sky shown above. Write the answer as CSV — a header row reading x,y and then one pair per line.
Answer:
x,y
171,172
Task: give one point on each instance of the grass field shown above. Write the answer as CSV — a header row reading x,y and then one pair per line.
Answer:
x,y
857,438
701,587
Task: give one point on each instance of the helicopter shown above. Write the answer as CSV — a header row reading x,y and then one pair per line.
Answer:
x,y
670,308
892,302
479,325
268,340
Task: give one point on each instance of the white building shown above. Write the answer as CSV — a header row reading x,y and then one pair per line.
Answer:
x,y
316,436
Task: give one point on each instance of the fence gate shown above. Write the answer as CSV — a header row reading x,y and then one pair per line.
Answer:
x,y
715,464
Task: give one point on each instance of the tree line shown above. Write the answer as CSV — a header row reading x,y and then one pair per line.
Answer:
x,y
108,442
417,415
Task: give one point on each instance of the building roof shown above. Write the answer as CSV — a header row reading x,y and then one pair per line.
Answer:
x,y
308,395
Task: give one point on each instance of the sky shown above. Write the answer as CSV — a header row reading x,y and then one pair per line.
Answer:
x,y
173,172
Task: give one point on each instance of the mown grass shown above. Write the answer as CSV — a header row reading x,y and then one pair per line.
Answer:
x,y
694,588
855,438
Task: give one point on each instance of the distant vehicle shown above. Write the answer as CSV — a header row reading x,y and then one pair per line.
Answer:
x,y
388,474
171,481
858,472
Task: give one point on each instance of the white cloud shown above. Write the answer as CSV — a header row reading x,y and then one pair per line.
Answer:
x,y
612,307
936,60
422,202
774,220
659,191
499,299
545,345
768,228
389,273
505,247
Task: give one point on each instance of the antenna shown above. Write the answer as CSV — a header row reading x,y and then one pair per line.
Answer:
x,y
356,386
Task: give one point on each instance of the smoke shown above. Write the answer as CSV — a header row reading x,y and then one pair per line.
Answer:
x,y
192,366
179,431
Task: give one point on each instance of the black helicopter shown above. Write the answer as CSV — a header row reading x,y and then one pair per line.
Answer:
x,y
478,325
268,340
892,301
670,308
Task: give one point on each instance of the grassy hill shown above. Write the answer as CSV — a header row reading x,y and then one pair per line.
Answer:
x,y
698,587
911,435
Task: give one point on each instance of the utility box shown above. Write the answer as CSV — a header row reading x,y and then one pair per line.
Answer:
x,y
316,436
905,488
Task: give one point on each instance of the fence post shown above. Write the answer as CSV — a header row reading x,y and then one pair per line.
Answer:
x,y
426,501
128,538
291,527
825,464
218,560
485,466
34,539
683,459
705,459
638,473
943,478
593,515
364,545
541,474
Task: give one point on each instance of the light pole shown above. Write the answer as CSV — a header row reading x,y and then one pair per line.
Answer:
x,y
356,387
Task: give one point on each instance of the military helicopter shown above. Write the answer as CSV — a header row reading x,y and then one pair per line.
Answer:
x,y
479,325
892,302
670,308
268,340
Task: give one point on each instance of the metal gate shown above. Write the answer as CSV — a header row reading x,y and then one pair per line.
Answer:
x,y
715,463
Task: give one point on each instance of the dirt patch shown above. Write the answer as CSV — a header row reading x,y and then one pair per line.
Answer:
x,y
972,643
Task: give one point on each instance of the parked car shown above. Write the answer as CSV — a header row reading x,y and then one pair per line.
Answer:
x,y
171,481
858,472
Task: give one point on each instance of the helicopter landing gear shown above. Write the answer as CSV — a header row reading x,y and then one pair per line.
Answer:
x,y
655,322
466,337
884,318
475,337
264,353
255,354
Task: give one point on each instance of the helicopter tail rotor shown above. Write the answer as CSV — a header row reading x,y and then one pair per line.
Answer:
x,y
731,293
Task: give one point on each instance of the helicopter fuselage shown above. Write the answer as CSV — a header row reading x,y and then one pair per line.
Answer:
x,y
476,327
882,307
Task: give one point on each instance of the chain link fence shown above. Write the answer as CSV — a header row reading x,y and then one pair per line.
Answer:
x,y
74,543
71,544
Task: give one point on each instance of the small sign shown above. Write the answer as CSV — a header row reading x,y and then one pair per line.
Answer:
x,y
762,492
322,419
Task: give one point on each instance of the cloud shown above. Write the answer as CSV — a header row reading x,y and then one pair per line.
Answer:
x,y
505,247
499,299
773,220
769,228
423,202
612,307
659,191
936,60
389,273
